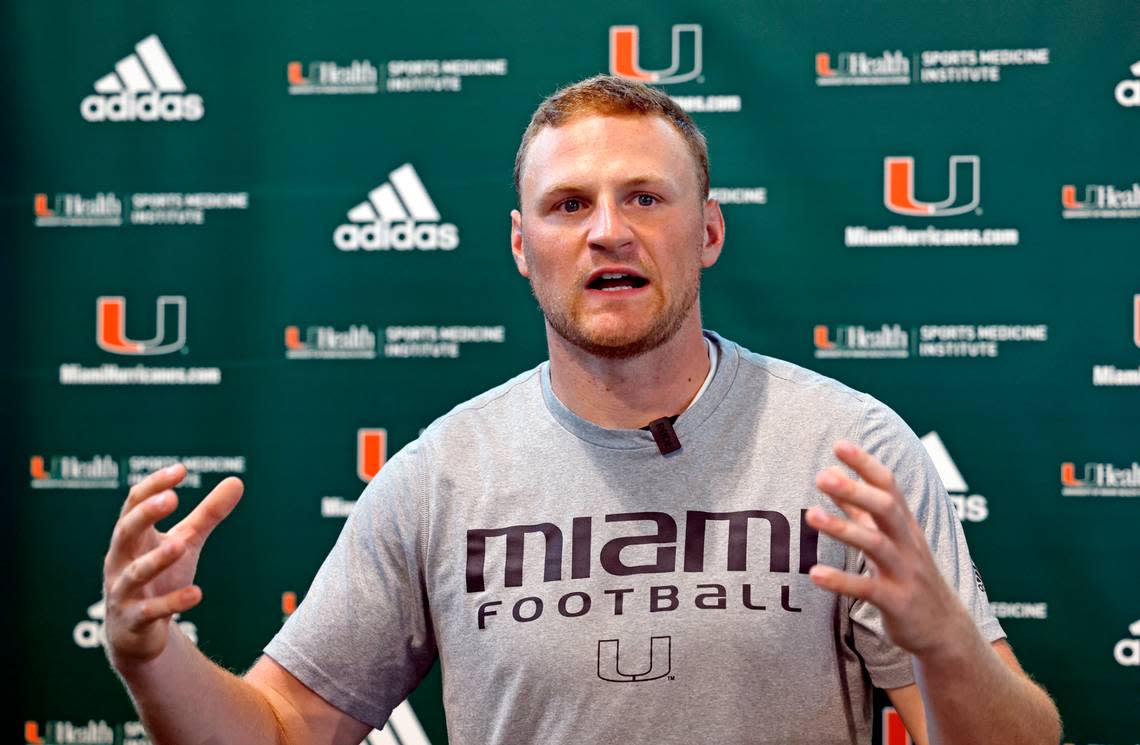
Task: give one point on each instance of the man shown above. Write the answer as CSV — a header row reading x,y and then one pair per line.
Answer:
x,y
581,578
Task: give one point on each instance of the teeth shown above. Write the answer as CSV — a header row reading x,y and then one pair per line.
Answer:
x,y
629,283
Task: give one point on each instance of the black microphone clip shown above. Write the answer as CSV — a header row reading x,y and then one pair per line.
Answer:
x,y
664,434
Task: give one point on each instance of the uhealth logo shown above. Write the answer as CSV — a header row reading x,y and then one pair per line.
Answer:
x,y
858,68
625,55
358,342
398,214
63,732
145,86
890,341
104,209
1100,480
1128,91
73,472
1101,201
898,187
111,324
359,76
928,66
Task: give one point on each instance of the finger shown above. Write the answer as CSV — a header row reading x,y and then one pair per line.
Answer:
x,y
215,507
870,541
852,585
866,465
145,568
858,515
131,526
138,614
882,507
153,483
855,513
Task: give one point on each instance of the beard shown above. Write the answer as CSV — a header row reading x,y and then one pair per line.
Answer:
x,y
619,346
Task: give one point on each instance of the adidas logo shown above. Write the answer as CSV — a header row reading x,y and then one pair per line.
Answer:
x,y
398,214
968,507
1127,651
1128,91
145,86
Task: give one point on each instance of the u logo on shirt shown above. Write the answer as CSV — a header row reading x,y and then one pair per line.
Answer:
x,y
660,661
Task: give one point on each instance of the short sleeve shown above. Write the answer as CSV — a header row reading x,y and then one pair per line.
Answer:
x,y
886,436
361,637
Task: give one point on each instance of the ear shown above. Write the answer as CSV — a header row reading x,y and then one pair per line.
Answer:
x,y
517,243
714,234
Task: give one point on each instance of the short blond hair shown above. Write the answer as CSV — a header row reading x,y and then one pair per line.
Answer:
x,y
609,95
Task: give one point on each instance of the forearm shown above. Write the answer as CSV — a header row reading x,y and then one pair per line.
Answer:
x,y
185,699
971,695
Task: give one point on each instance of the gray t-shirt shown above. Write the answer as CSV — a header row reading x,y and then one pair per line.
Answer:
x,y
579,586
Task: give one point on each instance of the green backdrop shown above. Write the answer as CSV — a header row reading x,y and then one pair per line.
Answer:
x,y
184,184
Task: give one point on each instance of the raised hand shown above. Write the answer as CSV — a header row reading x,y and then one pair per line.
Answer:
x,y
148,575
904,582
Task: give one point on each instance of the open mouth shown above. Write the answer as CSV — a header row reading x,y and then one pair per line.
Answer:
x,y
614,281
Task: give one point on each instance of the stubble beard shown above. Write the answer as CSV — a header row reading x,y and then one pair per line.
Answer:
x,y
666,324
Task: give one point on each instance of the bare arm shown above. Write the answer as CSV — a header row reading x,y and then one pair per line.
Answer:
x,y
907,701
305,716
182,697
909,704
969,693
999,697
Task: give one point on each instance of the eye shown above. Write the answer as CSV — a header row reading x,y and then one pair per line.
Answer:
x,y
646,200
570,205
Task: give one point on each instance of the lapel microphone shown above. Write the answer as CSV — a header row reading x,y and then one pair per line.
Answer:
x,y
664,434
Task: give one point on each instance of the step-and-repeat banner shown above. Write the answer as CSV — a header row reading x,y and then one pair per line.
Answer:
x,y
272,242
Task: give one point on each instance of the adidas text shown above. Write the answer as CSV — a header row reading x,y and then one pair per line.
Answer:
x,y
145,107
402,236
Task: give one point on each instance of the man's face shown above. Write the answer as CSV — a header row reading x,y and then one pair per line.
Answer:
x,y
613,233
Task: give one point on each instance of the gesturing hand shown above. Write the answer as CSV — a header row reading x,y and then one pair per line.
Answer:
x,y
904,583
147,575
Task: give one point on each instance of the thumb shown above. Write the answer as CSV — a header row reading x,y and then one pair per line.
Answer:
x,y
215,507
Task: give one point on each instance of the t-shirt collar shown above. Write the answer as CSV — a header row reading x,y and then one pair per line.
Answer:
x,y
725,357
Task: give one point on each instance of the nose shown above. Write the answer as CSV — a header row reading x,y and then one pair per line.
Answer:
x,y
608,229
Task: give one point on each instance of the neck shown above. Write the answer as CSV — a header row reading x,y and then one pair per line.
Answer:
x,y
630,393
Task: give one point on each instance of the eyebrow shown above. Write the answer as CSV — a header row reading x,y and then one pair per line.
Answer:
x,y
570,187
